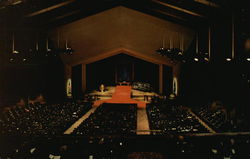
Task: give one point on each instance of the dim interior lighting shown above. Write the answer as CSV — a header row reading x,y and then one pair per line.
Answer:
x,y
24,59
174,54
161,51
175,86
206,57
228,59
15,52
11,59
13,45
17,2
196,59
68,50
69,88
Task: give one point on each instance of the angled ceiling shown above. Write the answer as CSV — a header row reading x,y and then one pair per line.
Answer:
x,y
45,13
120,27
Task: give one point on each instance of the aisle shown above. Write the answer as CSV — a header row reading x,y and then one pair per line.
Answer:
x,y
202,122
142,122
79,121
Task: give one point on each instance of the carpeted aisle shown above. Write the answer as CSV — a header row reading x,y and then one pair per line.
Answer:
x,y
121,95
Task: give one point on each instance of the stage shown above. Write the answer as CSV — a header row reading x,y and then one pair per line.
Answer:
x,y
122,94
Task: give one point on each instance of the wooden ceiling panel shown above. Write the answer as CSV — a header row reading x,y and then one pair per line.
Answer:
x,y
120,27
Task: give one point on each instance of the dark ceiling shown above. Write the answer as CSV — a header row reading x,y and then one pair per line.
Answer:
x,y
49,14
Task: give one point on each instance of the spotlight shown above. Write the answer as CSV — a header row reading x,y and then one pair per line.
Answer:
x,y
196,59
180,57
69,50
206,59
161,51
15,52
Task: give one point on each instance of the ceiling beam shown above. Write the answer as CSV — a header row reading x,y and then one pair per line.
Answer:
x,y
50,8
169,14
65,15
178,8
207,3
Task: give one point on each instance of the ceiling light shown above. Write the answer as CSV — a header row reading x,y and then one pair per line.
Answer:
x,y
17,2
196,59
206,59
248,59
228,59
15,52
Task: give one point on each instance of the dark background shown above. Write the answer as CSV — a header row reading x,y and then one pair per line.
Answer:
x,y
104,71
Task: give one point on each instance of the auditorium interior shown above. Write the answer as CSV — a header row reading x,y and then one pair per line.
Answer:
x,y
124,79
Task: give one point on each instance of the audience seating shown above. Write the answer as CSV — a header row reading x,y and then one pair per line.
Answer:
x,y
132,147
172,119
221,121
41,119
117,119
36,131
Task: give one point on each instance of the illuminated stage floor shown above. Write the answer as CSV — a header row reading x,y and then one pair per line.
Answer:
x,y
135,94
122,94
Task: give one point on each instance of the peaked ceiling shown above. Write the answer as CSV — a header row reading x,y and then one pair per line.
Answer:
x,y
120,28
45,13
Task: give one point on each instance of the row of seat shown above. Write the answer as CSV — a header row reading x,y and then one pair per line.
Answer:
x,y
110,119
41,119
133,147
174,120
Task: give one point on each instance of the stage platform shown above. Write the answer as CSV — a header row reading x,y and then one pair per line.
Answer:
x,y
123,94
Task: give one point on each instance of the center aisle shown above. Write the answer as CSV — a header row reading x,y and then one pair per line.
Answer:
x,y
142,122
121,95
79,121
